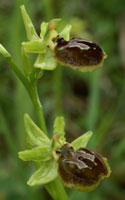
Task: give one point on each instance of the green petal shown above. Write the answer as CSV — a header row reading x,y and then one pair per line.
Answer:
x,y
34,46
58,133
65,33
35,135
30,30
43,28
59,125
40,153
53,23
45,174
82,141
4,52
46,61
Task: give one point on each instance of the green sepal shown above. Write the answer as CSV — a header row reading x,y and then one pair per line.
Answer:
x,y
26,62
46,61
35,135
4,52
30,30
34,46
65,33
43,28
45,174
81,141
41,153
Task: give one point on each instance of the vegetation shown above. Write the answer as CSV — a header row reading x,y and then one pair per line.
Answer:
x,y
88,101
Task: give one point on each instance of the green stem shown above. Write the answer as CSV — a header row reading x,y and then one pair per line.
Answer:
x,y
32,90
38,108
56,190
18,73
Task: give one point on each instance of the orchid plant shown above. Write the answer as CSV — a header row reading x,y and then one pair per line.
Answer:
x,y
57,161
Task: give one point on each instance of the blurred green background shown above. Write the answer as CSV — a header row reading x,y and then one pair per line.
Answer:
x,y
89,101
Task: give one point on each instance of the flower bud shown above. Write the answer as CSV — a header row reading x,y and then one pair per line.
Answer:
x,y
79,54
83,169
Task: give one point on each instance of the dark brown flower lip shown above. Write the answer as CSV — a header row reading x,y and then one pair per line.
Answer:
x,y
83,167
82,155
79,53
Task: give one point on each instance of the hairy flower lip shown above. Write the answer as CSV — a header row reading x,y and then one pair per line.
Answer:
x,y
79,53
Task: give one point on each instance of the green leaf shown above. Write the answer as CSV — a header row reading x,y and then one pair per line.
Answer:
x,y
43,28
34,46
4,52
40,153
35,135
82,141
65,33
26,62
45,174
46,61
59,125
30,30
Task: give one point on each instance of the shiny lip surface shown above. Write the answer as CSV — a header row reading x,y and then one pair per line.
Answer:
x,y
82,167
78,52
